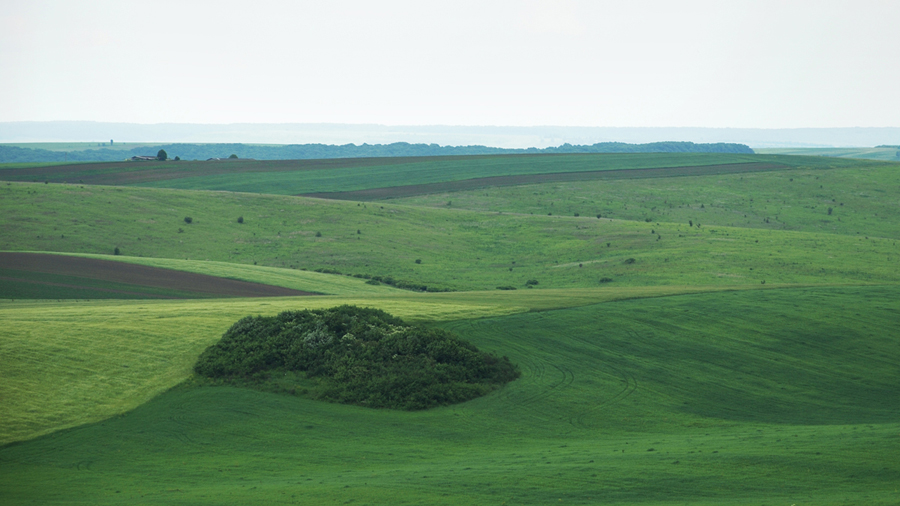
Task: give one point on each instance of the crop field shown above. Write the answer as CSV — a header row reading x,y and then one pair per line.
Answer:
x,y
38,274
518,180
712,337
293,177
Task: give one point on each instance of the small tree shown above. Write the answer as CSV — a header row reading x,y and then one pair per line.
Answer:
x,y
188,220
161,155
116,251
240,219
233,156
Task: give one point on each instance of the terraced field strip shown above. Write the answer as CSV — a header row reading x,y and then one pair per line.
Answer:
x,y
17,266
487,182
124,173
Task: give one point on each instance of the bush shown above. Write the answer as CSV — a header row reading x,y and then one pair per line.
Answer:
x,y
240,219
232,156
506,288
418,260
161,155
356,356
606,280
629,260
318,234
116,251
188,220
531,282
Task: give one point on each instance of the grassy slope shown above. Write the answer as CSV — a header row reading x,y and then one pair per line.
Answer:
x,y
792,389
75,362
776,397
459,249
860,199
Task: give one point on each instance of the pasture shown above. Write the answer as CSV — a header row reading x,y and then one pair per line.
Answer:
x,y
714,337
699,399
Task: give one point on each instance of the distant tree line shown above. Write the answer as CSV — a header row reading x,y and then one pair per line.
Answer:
x,y
13,154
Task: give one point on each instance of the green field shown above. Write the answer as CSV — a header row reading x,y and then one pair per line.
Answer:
x,y
887,154
700,399
733,360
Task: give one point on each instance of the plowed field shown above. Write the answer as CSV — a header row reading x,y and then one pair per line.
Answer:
x,y
523,179
32,273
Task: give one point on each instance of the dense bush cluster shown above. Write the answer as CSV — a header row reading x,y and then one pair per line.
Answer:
x,y
356,356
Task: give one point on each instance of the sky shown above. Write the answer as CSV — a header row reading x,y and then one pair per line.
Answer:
x,y
737,64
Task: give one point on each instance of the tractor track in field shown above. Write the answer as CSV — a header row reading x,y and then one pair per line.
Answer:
x,y
138,275
553,177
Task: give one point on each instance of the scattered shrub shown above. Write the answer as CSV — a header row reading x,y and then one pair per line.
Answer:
x,y
188,220
318,234
161,155
356,356
606,280
576,215
240,219
629,260
418,260
116,251
232,156
506,288
531,282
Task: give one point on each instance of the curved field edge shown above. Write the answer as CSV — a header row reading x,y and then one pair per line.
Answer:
x,y
307,281
23,269
291,177
456,249
70,363
750,397
392,192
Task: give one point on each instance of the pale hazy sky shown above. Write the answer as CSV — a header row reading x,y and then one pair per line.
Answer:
x,y
728,63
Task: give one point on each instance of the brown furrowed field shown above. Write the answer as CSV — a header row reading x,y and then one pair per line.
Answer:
x,y
522,179
132,274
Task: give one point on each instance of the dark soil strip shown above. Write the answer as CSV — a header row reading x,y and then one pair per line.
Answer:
x,y
487,182
121,272
92,288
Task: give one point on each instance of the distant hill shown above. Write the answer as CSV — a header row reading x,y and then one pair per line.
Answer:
x,y
16,154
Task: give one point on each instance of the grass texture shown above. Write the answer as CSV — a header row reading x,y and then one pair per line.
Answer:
x,y
75,362
751,397
457,249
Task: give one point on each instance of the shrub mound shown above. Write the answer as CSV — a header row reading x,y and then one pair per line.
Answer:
x,y
356,356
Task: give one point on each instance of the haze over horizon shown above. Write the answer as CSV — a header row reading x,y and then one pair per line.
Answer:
x,y
742,64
